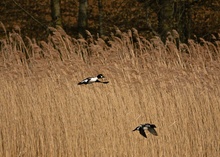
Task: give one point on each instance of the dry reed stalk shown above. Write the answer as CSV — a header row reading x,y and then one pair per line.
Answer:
x,y
45,113
5,31
50,118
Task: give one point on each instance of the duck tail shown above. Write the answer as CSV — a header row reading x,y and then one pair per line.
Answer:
x,y
80,83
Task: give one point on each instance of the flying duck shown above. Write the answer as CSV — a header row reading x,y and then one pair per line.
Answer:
x,y
147,126
89,80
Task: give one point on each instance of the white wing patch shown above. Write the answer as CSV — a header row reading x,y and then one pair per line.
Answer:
x,y
86,80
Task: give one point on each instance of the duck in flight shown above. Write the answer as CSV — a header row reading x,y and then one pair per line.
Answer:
x,y
90,80
147,126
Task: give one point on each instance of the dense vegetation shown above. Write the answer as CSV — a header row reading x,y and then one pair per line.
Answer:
x,y
44,113
125,14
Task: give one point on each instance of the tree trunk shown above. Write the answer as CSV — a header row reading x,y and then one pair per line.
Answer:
x,y
187,32
100,18
182,19
165,18
55,13
82,17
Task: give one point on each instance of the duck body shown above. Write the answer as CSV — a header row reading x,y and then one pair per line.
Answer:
x,y
150,127
90,80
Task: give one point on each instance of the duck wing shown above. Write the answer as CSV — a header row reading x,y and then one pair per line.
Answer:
x,y
85,81
141,131
152,131
106,82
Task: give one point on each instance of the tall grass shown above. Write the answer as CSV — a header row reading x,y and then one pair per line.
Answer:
x,y
44,113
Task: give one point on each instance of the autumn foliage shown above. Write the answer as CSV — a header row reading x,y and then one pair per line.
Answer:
x,y
124,14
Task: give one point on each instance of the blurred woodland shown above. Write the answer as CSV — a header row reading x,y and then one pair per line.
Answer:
x,y
191,17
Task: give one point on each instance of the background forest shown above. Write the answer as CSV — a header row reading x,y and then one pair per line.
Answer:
x,y
174,85
197,17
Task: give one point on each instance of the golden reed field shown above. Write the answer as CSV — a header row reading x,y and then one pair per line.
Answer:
x,y
44,112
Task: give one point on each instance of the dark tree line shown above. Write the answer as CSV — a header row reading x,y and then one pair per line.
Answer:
x,y
82,14
173,14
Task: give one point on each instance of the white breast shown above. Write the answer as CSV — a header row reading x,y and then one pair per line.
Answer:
x,y
93,79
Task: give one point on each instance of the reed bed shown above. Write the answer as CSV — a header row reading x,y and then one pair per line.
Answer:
x,y
45,113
